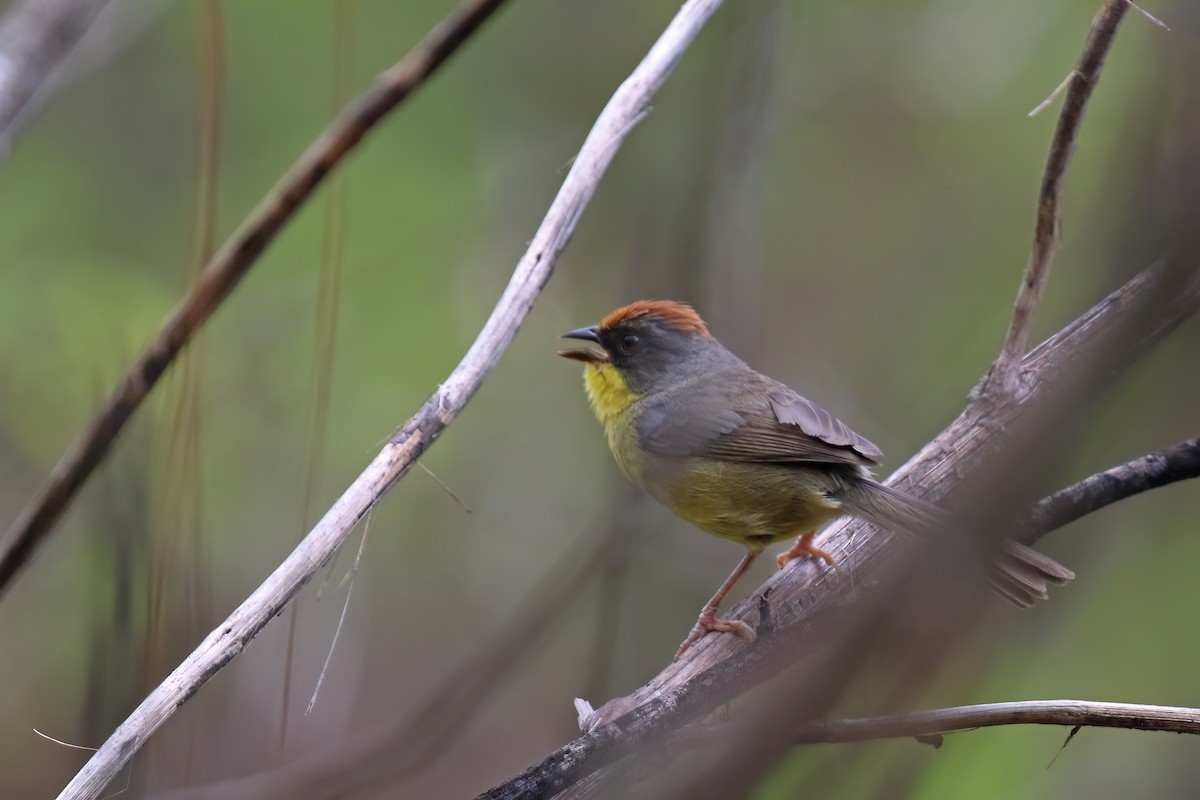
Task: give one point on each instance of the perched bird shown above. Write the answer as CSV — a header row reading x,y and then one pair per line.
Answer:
x,y
742,456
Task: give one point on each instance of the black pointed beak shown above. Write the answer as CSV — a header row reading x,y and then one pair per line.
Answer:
x,y
591,334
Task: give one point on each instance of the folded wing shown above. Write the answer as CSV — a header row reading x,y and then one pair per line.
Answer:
x,y
741,417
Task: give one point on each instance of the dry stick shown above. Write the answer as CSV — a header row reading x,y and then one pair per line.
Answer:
x,y
627,106
1155,20
1176,463
337,631
1050,98
36,39
1084,713
224,271
1081,713
1005,373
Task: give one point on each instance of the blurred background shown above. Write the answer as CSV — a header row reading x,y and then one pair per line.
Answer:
x,y
845,191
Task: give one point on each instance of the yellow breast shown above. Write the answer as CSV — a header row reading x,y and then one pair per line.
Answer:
x,y
610,397
749,503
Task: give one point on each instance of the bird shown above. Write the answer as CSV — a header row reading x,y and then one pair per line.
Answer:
x,y
742,456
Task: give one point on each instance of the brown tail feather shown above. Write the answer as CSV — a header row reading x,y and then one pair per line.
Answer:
x,y
1020,574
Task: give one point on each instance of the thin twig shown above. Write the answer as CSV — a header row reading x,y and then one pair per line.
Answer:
x,y
1005,372
1089,714
1085,713
1155,20
929,727
223,273
532,271
1176,463
445,487
65,744
1050,98
337,632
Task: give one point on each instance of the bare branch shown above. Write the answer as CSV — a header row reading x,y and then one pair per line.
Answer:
x,y
623,110
222,274
1176,463
1005,372
928,727
1089,714
1082,713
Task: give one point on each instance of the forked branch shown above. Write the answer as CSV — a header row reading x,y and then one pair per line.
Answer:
x,y
1082,81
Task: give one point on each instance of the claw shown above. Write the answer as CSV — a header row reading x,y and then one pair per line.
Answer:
x,y
708,623
804,548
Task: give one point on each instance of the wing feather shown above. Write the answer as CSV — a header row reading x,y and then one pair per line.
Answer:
x,y
755,419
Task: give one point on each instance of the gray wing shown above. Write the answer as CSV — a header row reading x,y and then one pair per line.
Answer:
x,y
754,419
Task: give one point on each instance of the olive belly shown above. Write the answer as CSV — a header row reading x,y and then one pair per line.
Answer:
x,y
755,504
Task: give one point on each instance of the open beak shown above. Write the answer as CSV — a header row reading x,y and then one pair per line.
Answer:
x,y
587,356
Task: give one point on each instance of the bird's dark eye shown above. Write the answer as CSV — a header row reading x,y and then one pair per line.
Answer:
x,y
629,342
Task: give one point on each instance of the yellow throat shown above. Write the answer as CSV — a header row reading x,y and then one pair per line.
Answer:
x,y
608,395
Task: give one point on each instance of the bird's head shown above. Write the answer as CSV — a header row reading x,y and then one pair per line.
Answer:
x,y
651,345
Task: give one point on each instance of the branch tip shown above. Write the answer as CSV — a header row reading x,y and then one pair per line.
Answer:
x,y
1003,378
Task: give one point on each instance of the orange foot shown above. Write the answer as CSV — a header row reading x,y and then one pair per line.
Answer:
x,y
708,622
803,548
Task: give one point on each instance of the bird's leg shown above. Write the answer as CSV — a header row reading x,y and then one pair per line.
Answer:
x,y
804,548
707,621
